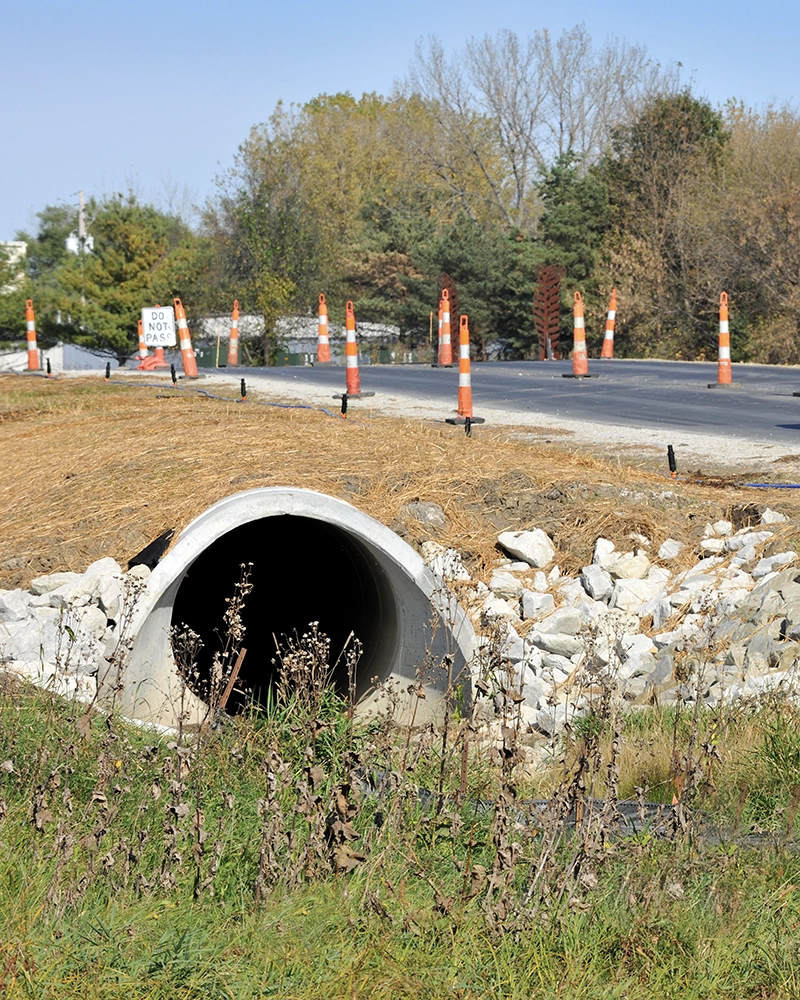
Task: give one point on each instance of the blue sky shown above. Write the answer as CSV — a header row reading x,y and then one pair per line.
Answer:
x,y
100,96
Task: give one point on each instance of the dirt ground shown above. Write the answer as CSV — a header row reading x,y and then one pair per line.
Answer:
x,y
89,468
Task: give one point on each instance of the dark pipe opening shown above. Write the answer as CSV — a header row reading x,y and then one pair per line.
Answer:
x,y
303,571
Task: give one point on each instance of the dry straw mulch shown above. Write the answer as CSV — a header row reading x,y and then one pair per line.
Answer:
x,y
90,469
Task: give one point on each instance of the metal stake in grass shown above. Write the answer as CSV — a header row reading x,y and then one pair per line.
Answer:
x,y
243,391
108,370
173,374
673,465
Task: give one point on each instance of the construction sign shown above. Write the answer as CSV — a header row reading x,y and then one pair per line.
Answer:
x,y
158,326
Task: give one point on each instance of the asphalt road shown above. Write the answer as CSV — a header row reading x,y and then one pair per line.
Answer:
x,y
669,395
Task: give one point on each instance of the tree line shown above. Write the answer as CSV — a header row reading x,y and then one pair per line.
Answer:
x,y
479,168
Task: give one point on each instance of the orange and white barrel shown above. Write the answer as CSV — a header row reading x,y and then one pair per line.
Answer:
x,y
611,322
724,364
351,352
580,361
233,337
143,352
446,348
187,354
30,333
323,332
464,377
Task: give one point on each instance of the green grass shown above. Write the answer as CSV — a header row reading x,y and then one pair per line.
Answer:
x,y
129,866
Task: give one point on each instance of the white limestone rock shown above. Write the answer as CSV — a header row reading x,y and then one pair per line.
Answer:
x,y
505,585
560,643
571,592
630,595
670,549
444,563
597,582
94,621
103,567
498,607
565,620
555,668
773,563
605,554
631,567
745,556
139,571
773,517
535,605
52,581
747,537
719,529
589,610
535,690
14,606
533,546
540,582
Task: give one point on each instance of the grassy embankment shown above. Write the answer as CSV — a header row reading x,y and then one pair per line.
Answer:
x,y
249,860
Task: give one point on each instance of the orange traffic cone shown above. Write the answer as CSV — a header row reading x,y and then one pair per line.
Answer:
x,y
233,339
724,375
439,341
353,382
187,354
464,376
33,349
580,363
611,322
323,334
724,362
353,379
445,346
143,352
464,381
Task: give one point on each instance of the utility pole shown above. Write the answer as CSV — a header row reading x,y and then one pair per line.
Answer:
x,y
81,221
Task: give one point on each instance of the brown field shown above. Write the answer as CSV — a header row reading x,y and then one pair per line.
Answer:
x,y
89,469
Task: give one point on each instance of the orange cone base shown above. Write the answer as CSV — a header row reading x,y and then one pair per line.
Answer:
x,y
462,420
152,364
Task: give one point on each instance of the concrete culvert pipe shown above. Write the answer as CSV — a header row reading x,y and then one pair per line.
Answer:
x,y
314,559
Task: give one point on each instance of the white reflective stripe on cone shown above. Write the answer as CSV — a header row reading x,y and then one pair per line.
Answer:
x,y
31,325
464,353
609,334
182,324
445,338
234,324
186,345
724,353
463,381
352,361
445,317
323,339
323,320
579,322
612,314
723,326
